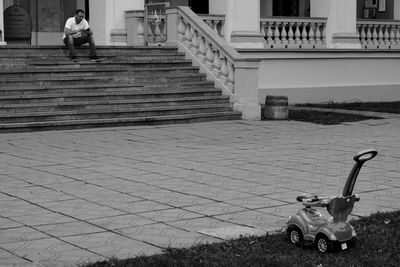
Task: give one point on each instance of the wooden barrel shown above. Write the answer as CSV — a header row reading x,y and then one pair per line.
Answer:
x,y
276,107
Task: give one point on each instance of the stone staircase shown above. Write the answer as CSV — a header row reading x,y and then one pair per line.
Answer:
x,y
41,89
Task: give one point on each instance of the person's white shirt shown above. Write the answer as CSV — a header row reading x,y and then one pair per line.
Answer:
x,y
71,24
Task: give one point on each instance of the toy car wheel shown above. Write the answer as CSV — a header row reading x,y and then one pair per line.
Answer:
x,y
295,235
323,244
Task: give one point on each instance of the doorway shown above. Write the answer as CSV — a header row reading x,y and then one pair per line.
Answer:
x,y
199,6
286,8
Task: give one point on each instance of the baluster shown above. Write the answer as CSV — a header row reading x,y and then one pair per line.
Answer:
x,y
290,33
222,29
386,35
181,29
203,50
262,28
311,36
209,56
297,33
164,31
304,34
277,36
380,35
224,71
284,34
231,78
318,34
157,33
150,34
374,35
323,37
369,34
392,35
195,42
215,26
209,23
217,63
188,36
362,33
397,33
269,33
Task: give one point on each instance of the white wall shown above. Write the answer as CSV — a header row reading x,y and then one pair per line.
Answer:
x,y
217,7
323,78
319,8
120,6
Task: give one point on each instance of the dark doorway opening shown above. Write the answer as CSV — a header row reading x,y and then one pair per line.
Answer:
x,y
286,8
199,6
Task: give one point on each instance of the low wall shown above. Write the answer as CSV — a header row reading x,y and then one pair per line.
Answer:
x,y
325,76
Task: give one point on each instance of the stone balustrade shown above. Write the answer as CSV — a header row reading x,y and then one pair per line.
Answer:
x,y
208,48
279,32
379,34
294,33
216,23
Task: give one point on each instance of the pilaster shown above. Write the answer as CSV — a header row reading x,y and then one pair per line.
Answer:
x,y
2,24
101,20
342,25
242,24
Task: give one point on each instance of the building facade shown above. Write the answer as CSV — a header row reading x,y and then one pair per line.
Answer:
x,y
108,17
309,50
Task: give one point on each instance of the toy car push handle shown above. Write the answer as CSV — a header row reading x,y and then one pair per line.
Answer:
x,y
360,158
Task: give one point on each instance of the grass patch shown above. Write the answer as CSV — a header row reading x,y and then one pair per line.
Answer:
x,y
387,107
377,245
325,117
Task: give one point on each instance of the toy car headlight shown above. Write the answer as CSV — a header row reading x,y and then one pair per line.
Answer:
x,y
312,227
332,237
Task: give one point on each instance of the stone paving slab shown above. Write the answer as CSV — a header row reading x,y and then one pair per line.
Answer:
x,y
70,197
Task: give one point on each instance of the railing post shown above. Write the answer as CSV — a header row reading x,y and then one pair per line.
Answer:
x,y
2,24
246,90
135,27
172,26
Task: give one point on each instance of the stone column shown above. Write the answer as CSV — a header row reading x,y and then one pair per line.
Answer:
x,y
2,24
341,29
135,27
172,26
101,20
396,10
242,24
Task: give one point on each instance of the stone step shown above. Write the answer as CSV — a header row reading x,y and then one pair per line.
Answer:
x,y
58,102
83,50
71,80
41,89
119,122
106,88
111,112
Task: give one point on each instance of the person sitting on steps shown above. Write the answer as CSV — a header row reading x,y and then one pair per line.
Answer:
x,y
77,32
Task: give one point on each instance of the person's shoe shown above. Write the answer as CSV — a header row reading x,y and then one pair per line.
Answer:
x,y
73,59
95,58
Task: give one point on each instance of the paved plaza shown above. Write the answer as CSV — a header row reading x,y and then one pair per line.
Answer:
x,y
70,197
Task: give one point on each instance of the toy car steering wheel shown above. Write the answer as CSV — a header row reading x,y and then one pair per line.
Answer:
x,y
365,155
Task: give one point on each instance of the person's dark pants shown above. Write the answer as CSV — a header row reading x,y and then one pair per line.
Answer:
x,y
71,42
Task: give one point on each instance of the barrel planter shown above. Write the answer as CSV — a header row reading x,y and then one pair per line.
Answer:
x,y
276,108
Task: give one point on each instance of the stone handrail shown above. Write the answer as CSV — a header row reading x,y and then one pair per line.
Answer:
x,y
206,47
375,34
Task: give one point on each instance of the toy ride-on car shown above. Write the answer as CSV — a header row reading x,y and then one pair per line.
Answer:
x,y
310,227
